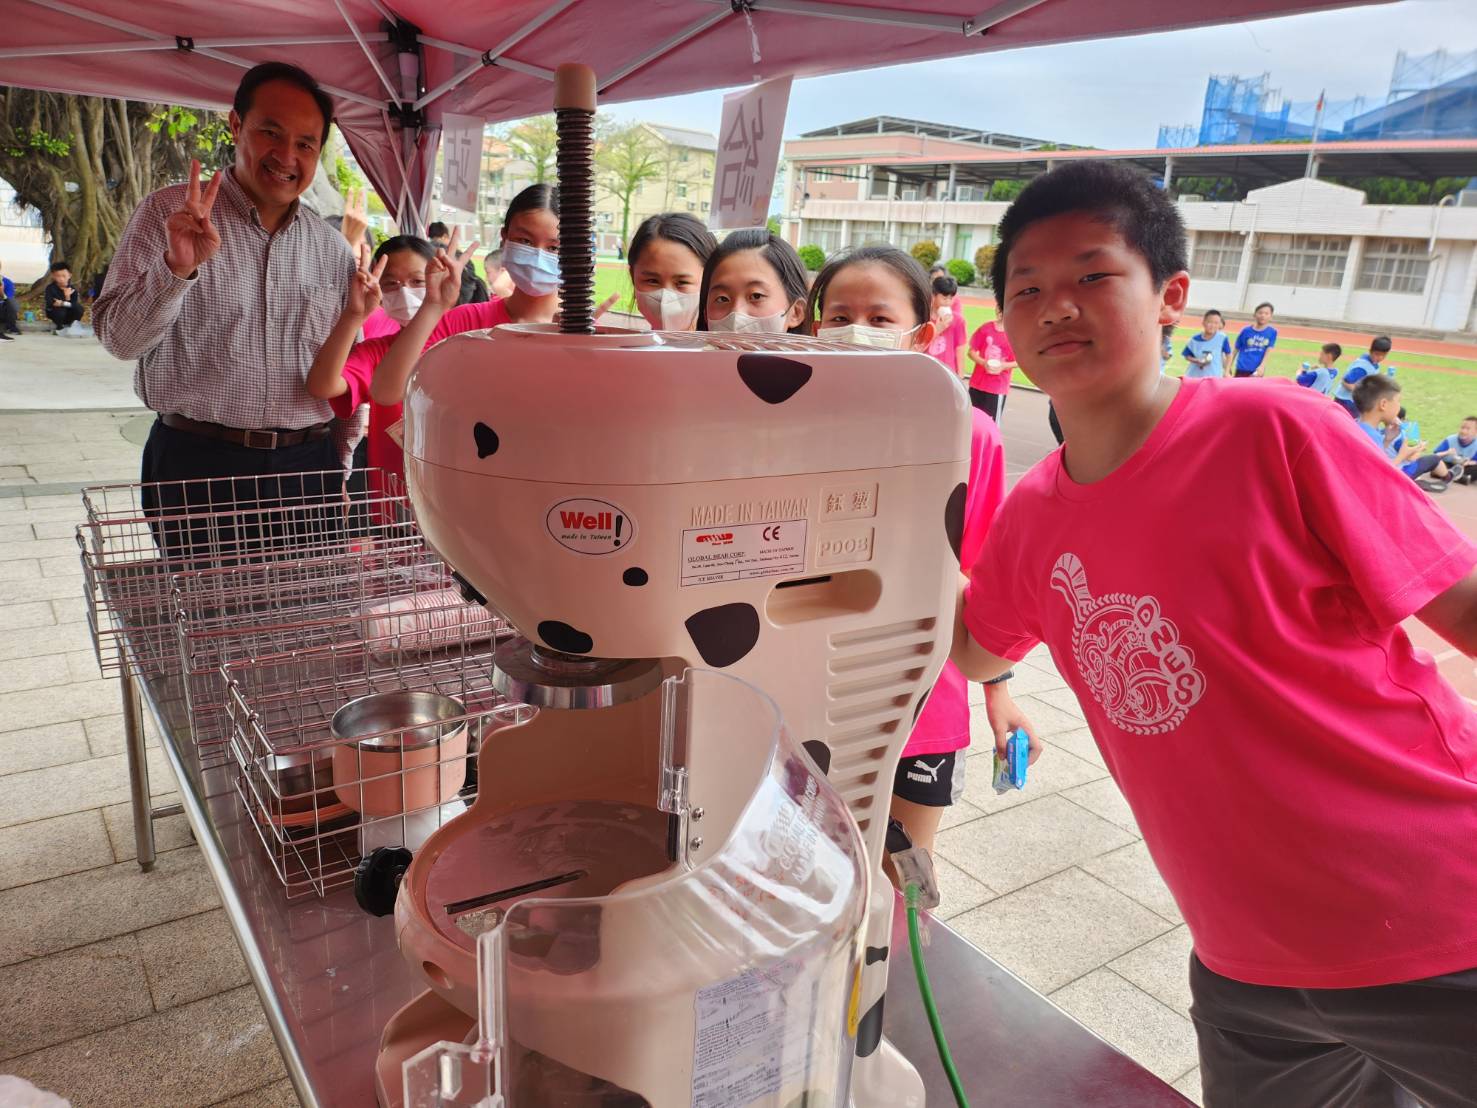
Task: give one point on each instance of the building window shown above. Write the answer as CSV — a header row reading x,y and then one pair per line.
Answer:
x,y
682,155
707,173
1217,256
971,194
1303,261
963,240
825,233
1395,265
705,206
910,235
682,189
865,232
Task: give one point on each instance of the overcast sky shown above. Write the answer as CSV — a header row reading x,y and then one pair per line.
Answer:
x,y
1078,93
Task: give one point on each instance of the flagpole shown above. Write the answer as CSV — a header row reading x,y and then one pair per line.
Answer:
x,y
1313,143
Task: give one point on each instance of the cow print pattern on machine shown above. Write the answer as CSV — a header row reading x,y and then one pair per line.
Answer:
x,y
820,754
954,520
635,577
487,440
869,1030
561,636
724,634
771,378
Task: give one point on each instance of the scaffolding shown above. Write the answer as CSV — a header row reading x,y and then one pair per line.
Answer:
x,y
1430,96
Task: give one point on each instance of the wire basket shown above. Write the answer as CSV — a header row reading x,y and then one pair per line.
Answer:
x,y
400,597
319,800
137,537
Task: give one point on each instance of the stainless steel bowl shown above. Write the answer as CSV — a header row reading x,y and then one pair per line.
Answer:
x,y
294,776
401,720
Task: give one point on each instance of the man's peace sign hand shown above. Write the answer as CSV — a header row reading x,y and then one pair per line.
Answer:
x,y
193,239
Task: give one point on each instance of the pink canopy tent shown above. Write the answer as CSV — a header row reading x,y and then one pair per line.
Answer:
x,y
394,66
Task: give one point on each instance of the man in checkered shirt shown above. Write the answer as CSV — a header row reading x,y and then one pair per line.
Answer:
x,y
224,294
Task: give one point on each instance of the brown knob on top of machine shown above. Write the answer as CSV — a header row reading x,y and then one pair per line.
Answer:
x,y
574,87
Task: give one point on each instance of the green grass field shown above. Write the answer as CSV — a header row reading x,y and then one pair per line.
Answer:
x,y
1438,400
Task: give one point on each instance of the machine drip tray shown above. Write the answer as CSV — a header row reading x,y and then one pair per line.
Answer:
x,y
567,849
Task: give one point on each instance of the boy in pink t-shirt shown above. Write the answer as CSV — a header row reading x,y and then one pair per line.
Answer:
x,y
994,362
950,332
1304,778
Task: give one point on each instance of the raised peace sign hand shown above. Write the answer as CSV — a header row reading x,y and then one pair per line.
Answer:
x,y
193,239
356,216
444,273
364,287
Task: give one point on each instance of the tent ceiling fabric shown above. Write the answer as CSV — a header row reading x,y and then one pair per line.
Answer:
x,y
189,52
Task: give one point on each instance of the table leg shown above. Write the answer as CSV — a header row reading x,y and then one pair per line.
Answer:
x,y
138,770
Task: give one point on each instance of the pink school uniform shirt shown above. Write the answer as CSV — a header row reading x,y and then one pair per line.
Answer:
x,y
1305,780
944,725
377,324
988,342
945,345
382,452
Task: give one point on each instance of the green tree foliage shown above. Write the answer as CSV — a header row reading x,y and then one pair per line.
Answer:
x,y
927,252
773,223
85,163
961,271
1396,190
626,158
1212,188
534,141
984,258
1006,190
813,257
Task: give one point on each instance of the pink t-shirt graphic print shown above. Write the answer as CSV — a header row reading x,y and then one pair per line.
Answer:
x,y
1128,654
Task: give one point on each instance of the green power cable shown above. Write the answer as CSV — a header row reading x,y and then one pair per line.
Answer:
x,y
926,990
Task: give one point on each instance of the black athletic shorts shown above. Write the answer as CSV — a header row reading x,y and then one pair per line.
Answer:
x,y
933,780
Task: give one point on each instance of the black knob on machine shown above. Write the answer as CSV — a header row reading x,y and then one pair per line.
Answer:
x,y
377,878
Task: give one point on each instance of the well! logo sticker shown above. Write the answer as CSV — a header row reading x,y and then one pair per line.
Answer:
x,y
588,526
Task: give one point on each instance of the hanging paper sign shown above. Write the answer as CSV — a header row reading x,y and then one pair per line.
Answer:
x,y
461,161
748,154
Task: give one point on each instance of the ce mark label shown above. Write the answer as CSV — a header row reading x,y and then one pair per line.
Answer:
x,y
772,532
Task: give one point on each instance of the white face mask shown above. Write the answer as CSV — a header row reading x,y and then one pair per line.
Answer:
x,y
734,322
858,334
402,303
946,316
667,309
534,272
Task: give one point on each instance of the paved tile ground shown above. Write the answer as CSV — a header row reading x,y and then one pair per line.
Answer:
x,y
126,989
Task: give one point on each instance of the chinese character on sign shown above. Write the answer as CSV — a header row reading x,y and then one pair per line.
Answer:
x,y
835,502
461,160
748,154
861,501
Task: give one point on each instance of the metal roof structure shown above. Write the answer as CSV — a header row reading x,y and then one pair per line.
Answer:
x,y
1250,166
896,125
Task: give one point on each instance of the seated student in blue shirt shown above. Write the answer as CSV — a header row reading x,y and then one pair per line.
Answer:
x,y
1323,376
1362,367
1206,353
1254,342
1459,452
1378,399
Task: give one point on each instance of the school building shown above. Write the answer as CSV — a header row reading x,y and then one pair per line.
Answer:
x,y
1319,251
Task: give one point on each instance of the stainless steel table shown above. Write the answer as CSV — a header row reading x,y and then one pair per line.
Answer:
x,y
330,977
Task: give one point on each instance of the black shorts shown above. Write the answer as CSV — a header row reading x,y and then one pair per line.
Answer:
x,y
933,780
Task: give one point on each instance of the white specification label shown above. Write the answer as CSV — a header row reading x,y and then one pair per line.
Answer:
x,y
738,551
746,1049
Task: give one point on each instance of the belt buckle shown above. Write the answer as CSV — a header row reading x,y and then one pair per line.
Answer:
x,y
260,440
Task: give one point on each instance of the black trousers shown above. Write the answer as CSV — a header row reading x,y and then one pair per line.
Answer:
x,y
216,503
65,316
1388,1046
8,320
991,403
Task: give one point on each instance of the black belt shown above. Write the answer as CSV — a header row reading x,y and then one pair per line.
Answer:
x,y
255,440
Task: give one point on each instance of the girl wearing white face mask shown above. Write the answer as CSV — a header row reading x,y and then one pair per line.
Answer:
x,y
878,296
392,286
530,258
753,283
667,256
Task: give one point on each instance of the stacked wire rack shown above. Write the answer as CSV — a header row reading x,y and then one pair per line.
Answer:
x,y
266,614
